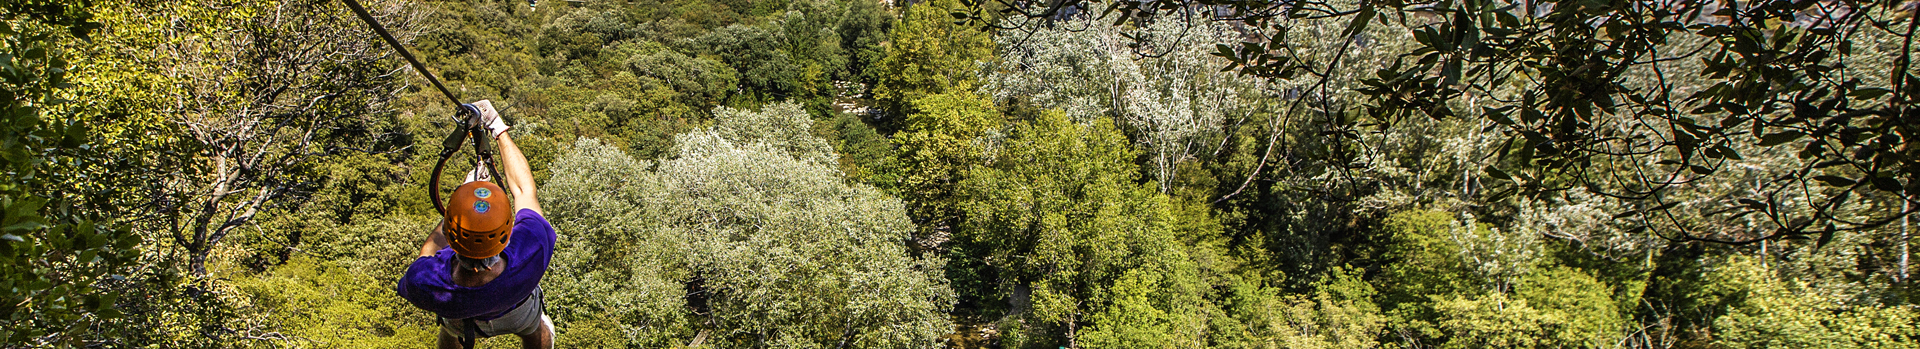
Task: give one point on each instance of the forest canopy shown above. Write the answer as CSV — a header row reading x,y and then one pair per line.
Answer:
x,y
978,174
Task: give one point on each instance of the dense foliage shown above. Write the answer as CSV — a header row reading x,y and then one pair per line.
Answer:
x,y
975,174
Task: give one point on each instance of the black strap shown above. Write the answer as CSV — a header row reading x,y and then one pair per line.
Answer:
x,y
466,341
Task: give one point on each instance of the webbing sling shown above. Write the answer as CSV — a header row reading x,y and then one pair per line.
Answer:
x,y
473,328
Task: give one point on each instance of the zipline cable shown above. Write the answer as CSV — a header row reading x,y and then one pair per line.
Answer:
x,y
482,149
377,29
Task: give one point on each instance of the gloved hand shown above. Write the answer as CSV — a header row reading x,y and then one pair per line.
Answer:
x,y
479,173
490,118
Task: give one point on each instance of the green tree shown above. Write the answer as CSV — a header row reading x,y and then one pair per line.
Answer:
x,y
863,32
61,252
1176,106
1575,88
1158,305
1057,213
700,81
615,275
1463,284
928,55
798,53
250,136
325,304
1558,307
1769,311
1339,312
749,234
935,149
865,155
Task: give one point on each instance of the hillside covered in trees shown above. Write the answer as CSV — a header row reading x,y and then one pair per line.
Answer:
x,y
980,174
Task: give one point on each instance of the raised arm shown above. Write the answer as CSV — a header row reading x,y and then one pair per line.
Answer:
x,y
517,176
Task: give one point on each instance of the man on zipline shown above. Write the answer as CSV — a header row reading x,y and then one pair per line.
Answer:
x,y
480,268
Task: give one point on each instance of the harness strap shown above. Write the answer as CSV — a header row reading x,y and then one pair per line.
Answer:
x,y
473,328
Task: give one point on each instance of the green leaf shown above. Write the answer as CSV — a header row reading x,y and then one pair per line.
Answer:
x,y
1497,116
1506,19
1869,93
1451,71
1812,150
1728,152
1498,174
1887,184
75,136
1360,21
1836,181
1780,138
25,225
1732,121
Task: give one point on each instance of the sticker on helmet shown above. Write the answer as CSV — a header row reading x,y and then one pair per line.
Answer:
x,y
480,206
482,193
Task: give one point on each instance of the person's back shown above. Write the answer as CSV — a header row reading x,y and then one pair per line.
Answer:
x,y
480,269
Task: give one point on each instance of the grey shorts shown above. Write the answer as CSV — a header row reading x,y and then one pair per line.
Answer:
x,y
524,319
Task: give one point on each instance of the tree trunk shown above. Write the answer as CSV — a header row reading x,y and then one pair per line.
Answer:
x,y
260,106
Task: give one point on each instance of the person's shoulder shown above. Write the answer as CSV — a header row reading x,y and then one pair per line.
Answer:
x,y
424,274
531,218
530,221
428,264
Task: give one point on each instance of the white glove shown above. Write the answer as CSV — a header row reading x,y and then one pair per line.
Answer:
x,y
479,173
490,118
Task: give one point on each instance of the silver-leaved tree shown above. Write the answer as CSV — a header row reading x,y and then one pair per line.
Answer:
x,y
747,236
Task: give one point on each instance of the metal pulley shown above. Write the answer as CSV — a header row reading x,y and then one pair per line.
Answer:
x,y
463,132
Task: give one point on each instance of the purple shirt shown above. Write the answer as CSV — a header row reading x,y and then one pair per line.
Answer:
x,y
428,283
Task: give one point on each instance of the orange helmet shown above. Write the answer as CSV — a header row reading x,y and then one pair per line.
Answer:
x,y
479,220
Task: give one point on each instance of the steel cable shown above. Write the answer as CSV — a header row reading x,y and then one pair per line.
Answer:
x,y
422,68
